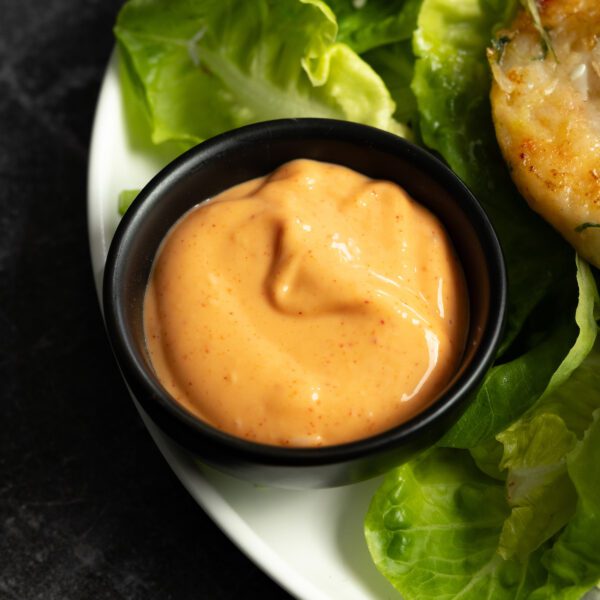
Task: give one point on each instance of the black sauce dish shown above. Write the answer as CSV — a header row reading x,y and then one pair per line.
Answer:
x,y
256,150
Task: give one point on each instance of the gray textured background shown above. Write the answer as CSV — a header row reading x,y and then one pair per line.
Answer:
x,y
88,507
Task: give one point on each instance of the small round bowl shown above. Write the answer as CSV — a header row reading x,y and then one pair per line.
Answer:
x,y
257,150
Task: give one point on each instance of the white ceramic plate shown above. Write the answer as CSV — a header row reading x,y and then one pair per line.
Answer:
x,y
310,542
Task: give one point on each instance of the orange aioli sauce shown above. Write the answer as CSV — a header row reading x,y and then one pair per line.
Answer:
x,y
311,307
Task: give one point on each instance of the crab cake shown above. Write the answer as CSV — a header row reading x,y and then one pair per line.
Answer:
x,y
546,110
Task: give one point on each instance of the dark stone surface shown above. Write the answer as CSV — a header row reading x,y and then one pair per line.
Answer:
x,y
88,507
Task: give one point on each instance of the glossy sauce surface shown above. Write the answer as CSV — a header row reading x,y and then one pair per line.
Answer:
x,y
311,307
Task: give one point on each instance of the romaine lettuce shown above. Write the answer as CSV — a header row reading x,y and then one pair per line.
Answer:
x,y
374,23
205,67
395,63
573,562
433,530
535,447
512,387
381,31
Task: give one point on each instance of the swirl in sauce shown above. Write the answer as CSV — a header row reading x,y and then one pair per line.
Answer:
x,y
314,306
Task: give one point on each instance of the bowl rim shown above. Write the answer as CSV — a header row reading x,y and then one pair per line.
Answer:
x,y
299,129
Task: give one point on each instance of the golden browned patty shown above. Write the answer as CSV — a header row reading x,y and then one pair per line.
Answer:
x,y
546,110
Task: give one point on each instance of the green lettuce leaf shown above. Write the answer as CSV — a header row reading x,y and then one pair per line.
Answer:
x,y
582,385
537,445
536,450
126,198
381,32
573,562
433,528
202,68
588,309
395,63
539,489
509,389
487,457
372,23
553,354
438,527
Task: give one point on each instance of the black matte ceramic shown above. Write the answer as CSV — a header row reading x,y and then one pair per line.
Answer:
x,y
256,150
